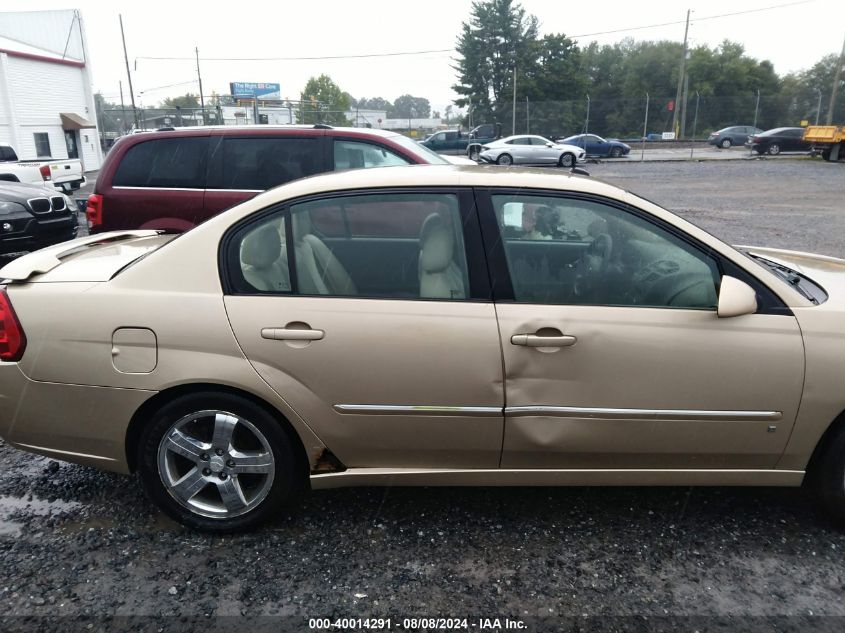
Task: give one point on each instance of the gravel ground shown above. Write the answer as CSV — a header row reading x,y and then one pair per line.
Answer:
x,y
77,542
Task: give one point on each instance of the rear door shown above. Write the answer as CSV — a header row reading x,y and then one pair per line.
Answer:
x,y
371,316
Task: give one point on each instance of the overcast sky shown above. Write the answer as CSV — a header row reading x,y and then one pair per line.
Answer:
x,y
158,28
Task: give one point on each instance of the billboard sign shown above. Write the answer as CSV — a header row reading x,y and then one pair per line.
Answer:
x,y
248,90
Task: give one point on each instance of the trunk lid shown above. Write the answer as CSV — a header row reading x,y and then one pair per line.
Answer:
x,y
91,258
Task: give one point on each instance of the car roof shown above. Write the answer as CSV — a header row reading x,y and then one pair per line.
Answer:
x,y
204,130
778,130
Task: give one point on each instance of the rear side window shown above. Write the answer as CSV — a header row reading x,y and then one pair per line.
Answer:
x,y
167,163
262,163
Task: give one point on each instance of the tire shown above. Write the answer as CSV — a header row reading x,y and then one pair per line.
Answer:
x,y
616,152
725,143
566,160
826,153
828,479
774,149
473,153
504,159
255,438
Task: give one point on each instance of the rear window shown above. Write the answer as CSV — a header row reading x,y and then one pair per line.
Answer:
x,y
167,163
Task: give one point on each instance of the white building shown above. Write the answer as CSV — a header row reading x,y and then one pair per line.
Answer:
x,y
46,99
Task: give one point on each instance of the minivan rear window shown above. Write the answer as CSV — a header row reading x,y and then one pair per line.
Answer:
x,y
168,163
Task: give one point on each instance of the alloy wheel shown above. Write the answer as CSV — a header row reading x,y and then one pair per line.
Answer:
x,y
216,464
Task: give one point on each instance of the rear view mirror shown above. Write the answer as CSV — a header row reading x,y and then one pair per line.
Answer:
x,y
736,298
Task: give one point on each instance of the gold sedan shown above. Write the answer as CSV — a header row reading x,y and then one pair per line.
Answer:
x,y
426,326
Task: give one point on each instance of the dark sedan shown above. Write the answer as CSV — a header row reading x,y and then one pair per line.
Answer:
x,y
33,217
597,146
734,135
780,139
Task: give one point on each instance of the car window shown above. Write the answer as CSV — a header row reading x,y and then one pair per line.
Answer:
x,y
166,163
407,246
355,155
538,141
262,163
440,137
451,136
567,251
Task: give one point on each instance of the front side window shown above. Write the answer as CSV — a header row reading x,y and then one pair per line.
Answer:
x,y
165,163
355,155
569,251
257,164
397,246
42,145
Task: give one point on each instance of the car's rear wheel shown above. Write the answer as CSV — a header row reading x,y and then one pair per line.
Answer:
x,y
505,159
616,152
726,143
828,478
217,462
566,160
774,149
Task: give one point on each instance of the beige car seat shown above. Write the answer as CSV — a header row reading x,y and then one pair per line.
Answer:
x,y
318,271
264,261
440,277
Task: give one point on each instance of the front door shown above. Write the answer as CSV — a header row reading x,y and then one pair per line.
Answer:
x,y
370,315
72,142
614,354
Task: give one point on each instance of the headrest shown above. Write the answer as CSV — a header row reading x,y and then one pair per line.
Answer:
x,y
301,225
262,247
597,227
437,244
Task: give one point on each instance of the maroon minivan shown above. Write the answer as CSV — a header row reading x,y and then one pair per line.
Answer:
x,y
173,180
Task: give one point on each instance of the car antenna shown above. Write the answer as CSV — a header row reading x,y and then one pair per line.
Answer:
x,y
580,171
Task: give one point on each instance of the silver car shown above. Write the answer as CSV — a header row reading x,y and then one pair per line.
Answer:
x,y
529,149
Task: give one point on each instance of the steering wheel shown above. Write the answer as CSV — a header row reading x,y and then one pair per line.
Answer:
x,y
593,263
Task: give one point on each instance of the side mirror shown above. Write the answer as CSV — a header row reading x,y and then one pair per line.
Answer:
x,y
550,144
736,298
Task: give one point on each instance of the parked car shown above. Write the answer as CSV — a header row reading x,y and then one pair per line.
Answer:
x,y
734,135
34,217
343,330
597,146
527,149
459,142
176,179
65,174
780,139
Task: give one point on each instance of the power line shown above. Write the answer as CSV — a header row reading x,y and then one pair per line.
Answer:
x,y
452,50
291,59
709,17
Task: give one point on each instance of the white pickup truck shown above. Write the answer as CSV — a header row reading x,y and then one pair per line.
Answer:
x,y
65,175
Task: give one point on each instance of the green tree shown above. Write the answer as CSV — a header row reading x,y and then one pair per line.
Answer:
x,y
499,37
376,103
408,106
187,100
323,101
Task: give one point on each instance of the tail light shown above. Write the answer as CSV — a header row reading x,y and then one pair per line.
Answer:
x,y
94,210
45,172
12,338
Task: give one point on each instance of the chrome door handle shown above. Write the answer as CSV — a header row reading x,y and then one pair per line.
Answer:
x,y
533,340
289,334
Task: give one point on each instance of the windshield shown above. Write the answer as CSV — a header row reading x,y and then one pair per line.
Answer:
x,y
421,151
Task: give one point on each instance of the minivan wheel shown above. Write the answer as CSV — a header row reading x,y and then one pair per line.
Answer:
x,y
828,479
774,149
504,159
566,160
726,143
217,462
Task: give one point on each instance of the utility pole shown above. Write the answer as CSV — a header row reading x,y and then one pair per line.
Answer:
x,y
587,121
514,99
684,105
818,106
681,74
837,75
199,78
128,74
527,115
123,108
